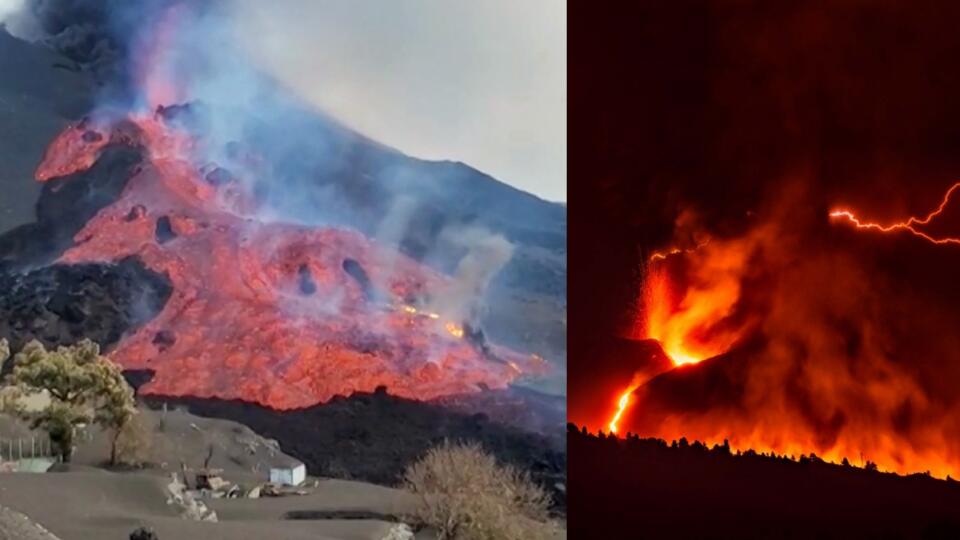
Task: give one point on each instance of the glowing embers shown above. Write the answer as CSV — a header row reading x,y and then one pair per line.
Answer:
x,y
454,329
908,225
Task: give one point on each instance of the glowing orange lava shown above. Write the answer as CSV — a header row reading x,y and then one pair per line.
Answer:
x,y
687,320
621,406
682,320
908,225
241,323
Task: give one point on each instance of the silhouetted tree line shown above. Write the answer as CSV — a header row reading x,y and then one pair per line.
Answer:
x,y
635,487
634,441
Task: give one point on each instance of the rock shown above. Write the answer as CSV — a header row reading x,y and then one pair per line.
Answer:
x,y
218,177
164,339
144,533
164,230
137,212
191,508
307,285
57,303
399,531
217,484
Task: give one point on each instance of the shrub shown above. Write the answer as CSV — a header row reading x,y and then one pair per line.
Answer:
x,y
133,443
465,494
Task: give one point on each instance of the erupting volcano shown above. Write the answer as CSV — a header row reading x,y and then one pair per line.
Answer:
x,y
778,349
290,279
781,349
767,260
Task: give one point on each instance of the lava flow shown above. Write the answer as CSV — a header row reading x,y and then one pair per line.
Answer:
x,y
908,225
284,315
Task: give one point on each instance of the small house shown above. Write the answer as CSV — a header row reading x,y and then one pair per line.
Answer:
x,y
292,473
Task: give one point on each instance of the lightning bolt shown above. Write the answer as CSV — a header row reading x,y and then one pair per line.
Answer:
x,y
908,225
661,255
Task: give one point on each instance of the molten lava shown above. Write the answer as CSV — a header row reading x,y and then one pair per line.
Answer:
x,y
690,320
262,311
908,225
687,319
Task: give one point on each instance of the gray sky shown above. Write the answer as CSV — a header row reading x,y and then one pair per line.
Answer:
x,y
483,82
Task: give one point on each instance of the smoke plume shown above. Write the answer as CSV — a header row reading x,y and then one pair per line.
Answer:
x,y
806,339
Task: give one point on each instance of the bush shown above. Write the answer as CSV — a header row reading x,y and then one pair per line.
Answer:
x,y
133,443
465,494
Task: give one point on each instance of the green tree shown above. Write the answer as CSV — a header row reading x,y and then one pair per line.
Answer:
x,y
116,406
83,386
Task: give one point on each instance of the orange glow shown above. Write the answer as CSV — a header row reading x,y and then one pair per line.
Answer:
x,y
794,391
683,320
237,325
454,329
662,255
621,406
908,225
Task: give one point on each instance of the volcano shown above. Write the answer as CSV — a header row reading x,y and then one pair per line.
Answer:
x,y
791,249
283,315
290,264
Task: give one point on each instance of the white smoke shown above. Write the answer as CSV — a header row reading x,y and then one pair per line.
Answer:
x,y
483,83
17,19
486,254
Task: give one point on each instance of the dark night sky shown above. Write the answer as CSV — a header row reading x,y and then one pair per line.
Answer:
x,y
716,105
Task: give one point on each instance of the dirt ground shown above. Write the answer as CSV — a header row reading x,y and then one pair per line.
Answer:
x,y
16,526
88,502
114,504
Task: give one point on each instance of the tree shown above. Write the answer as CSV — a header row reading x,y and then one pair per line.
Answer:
x,y
83,387
465,494
116,405
133,442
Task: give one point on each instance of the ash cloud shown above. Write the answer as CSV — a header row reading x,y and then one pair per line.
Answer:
x,y
838,351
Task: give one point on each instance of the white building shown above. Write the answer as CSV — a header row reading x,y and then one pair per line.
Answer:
x,y
288,474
